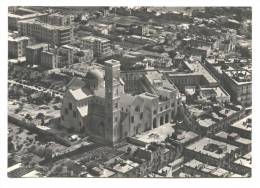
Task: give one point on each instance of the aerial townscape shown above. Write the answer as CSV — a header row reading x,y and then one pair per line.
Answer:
x,y
151,92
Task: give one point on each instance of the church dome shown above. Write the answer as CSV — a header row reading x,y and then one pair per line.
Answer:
x,y
94,77
94,74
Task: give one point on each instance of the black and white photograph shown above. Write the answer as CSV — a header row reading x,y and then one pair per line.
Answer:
x,y
98,92
152,92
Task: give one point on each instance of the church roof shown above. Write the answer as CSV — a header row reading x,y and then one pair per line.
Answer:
x,y
83,111
95,74
78,94
75,83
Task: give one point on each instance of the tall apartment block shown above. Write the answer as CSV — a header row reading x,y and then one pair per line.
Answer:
x,y
16,14
17,46
57,35
58,19
100,46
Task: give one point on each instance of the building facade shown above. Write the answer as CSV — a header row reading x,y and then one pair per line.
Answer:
x,y
58,19
99,105
33,53
17,46
57,35
100,46
239,84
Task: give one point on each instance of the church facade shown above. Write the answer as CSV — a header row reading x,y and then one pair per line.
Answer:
x,y
99,105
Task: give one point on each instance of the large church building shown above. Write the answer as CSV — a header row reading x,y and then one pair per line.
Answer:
x,y
99,105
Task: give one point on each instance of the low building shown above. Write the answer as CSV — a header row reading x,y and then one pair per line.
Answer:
x,y
101,172
204,170
123,167
243,127
234,138
212,152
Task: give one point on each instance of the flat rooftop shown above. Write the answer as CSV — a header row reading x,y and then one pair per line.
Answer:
x,y
103,172
158,134
17,39
196,67
218,91
200,145
207,122
22,13
224,135
36,46
186,136
216,171
239,77
45,25
93,38
125,166
239,124
244,162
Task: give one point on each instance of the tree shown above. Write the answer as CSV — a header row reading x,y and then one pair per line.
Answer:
x,y
129,150
40,116
28,117
224,67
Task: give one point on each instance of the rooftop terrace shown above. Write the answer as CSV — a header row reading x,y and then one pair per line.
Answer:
x,y
213,148
244,123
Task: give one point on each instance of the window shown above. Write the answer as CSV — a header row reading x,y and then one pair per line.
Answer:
x,y
132,119
155,112
166,107
161,109
62,117
70,106
74,114
141,116
116,105
66,110
115,119
172,104
137,108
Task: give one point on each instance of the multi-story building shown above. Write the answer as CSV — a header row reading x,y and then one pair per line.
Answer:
x,y
99,105
58,35
17,46
75,55
58,19
239,84
193,73
100,46
33,53
17,14
50,59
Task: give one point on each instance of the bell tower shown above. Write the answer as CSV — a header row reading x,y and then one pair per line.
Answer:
x,y
113,88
